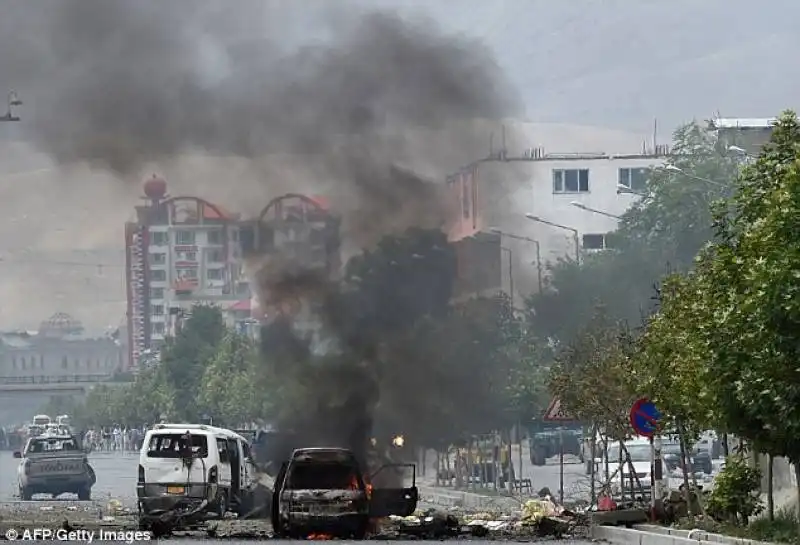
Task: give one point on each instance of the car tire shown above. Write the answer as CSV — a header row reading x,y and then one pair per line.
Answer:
x,y
25,494
85,494
538,456
222,504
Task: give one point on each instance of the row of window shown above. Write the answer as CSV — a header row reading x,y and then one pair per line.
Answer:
x,y
188,237
185,273
212,256
576,180
34,362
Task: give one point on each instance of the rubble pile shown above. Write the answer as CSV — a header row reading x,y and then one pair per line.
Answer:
x,y
535,518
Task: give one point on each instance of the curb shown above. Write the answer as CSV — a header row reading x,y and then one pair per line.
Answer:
x,y
647,534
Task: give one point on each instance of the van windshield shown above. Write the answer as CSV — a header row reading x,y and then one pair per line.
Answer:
x,y
173,445
321,475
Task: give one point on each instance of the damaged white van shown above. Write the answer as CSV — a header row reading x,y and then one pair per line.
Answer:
x,y
194,469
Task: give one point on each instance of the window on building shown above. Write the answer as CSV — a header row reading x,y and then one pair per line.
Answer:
x,y
76,363
156,293
158,275
572,180
64,363
634,179
215,256
14,363
159,238
215,236
41,362
157,310
214,274
158,259
189,273
158,328
24,364
594,242
184,238
97,363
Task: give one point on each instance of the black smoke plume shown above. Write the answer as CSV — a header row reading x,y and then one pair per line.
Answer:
x,y
365,101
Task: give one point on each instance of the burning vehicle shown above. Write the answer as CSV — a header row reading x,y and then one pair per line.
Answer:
x,y
324,491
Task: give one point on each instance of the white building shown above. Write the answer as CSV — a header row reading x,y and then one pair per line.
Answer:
x,y
577,198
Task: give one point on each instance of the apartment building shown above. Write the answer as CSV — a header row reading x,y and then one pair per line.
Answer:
x,y
575,198
180,251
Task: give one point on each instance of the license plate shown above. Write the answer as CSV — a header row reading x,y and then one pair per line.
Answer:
x,y
175,490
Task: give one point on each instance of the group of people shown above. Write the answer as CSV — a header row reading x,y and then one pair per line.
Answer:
x,y
114,439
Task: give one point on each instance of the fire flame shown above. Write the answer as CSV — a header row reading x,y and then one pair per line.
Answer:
x,y
320,537
398,441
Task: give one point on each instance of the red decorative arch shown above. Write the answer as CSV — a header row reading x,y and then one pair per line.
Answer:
x,y
220,214
275,204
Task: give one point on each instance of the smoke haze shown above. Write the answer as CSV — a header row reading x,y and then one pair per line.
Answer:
x,y
358,105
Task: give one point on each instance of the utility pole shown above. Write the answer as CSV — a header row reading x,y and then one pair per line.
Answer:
x,y
13,101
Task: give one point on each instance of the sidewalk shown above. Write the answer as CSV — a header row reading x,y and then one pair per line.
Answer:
x,y
449,497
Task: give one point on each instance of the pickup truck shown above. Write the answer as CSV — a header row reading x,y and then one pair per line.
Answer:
x,y
54,464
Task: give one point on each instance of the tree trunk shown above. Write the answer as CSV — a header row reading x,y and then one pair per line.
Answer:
x,y
797,484
770,487
725,448
687,493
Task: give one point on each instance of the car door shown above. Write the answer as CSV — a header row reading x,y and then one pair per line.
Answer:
x,y
386,501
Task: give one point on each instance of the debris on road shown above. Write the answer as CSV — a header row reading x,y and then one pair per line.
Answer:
x,y
535,518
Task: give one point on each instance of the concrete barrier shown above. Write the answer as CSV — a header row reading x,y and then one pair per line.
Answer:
x,y
646,534
443,497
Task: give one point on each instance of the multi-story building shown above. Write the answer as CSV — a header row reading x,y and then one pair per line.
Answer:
x,y
293,243
748,134
575,198
57,359
180,251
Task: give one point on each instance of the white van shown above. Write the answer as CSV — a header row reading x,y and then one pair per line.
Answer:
x,y
42,420
195,468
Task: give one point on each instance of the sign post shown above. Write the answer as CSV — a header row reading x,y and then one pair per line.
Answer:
x,y
555,413
645,419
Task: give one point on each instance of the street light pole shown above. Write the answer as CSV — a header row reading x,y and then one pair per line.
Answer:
x,y
13,100
572,230
673,168
582,206
526,239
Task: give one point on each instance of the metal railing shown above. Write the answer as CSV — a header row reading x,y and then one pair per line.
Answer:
x,y
57,379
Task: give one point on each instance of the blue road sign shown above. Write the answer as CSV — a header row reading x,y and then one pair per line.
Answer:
x,y
645,417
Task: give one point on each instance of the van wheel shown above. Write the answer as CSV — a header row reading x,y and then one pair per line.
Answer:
x,y
361,529
222,504
84,494
25,494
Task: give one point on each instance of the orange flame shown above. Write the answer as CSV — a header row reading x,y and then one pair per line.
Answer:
x,y
320,537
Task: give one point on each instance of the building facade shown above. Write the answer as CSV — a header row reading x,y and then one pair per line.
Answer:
x,y
748,134
575,198
180,251
183,251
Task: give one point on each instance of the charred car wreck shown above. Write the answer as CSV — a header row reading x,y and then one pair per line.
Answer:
x,y
325,491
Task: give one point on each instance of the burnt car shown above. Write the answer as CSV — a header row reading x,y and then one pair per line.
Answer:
x,y
700,460
325,491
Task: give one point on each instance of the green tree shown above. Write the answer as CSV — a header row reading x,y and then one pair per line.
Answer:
x,y
753,299
184,358
591,376
229,391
